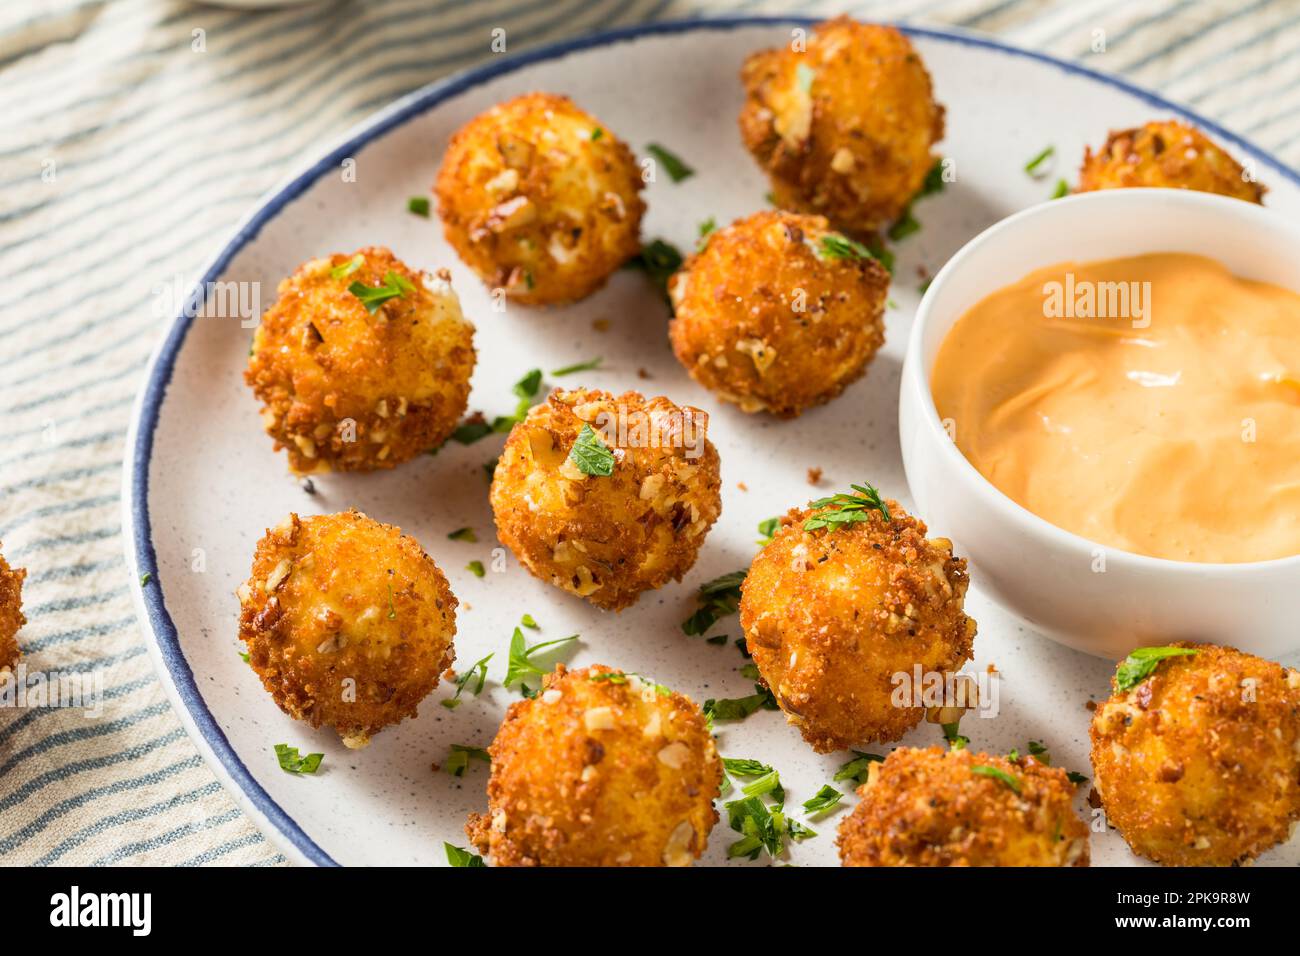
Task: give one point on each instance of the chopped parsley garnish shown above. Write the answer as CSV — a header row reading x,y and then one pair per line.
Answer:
x,y
392,611
145,579
520,665
738,708
761,828
745,767
924,285
477,674
1062,189
490,467
1075,777
767,530
658,260
476,428
470,432
591,455
530,622
586,366
706,228
1033,165
372,297
345,269
463,534
952,733
769,782
835,246
459,856
1142,663
856,769
476,568
458,759
673,166
243,655
905,226
841,509
825,798
291,762
934,181
419,205
597,133
1039,752
615,677
718,598
996,773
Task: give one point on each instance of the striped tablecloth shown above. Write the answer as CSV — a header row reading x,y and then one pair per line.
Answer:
x,y
137,131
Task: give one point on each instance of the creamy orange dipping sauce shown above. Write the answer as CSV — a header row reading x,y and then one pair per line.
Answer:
x,y
1166,425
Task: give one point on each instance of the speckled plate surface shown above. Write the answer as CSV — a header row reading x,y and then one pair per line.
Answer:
x,y
203,483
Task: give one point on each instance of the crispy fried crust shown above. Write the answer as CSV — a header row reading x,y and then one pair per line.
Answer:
x,y
848,135
346,390
831,615
348,622
929,808
1169,154
608,538
11,613
538,202
765,318
597,771
1199,765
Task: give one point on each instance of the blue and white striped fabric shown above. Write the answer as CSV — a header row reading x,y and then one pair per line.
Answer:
x,y
137,132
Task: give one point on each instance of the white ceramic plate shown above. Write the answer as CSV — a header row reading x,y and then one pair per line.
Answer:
x,y
202,479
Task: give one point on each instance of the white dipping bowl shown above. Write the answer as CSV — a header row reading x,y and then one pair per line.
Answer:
x,y
1044,574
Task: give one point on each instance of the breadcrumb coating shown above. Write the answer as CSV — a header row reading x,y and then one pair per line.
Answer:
x,y
348,622
1199,764
831,615
602,768
540,199
11,612
845,128
934,807
1166,154
343,389
771,317
607,538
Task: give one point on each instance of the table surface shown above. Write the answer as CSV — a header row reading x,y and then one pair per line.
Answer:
x,y
139,131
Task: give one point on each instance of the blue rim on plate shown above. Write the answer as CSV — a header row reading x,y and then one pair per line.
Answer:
x,y
140,549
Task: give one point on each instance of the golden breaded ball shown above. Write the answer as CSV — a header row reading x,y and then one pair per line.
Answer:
x,y
348,622
1199,763
348,389
832,614
778,313
607,537
540,199
11,613
1167,154
601,768
845,127
934,807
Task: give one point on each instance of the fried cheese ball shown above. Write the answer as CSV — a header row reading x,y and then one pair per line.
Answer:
x,y
601,768
348,622
778,313
831,614
1168,154
844,128
11,613
607,537
540,199
936,807
343,388
1199,763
